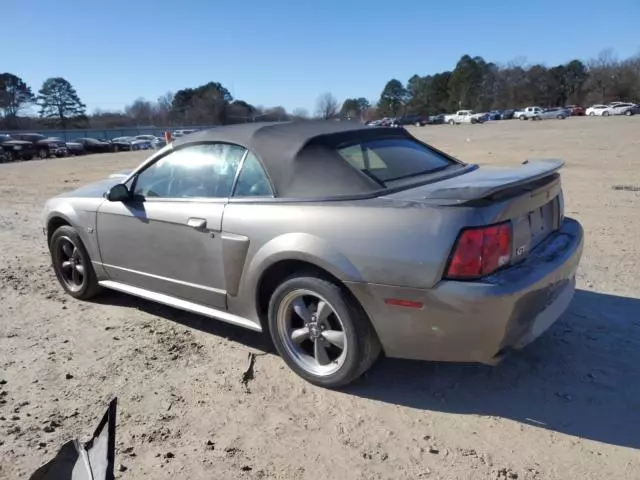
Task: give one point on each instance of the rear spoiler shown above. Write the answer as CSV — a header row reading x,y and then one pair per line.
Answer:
x,y
486,182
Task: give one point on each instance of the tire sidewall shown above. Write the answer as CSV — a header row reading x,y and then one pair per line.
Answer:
x,y
89,279
342,306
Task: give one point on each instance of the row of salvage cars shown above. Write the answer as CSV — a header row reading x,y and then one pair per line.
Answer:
x,y
26,146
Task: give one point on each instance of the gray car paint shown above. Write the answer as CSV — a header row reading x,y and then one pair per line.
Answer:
x,y
393,246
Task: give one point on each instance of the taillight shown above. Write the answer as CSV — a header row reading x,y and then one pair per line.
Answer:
x,y
480,251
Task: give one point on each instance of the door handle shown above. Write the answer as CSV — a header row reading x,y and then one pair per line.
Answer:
x,y
197,223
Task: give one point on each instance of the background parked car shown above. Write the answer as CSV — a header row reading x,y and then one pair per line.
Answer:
x,y
627,109
507,114
599,110
539,113
122,144
137,144
93,145
417,120
75,148
576,110
494,115
556,112
17,149
182,132
45,146
436,119
464,116
156,142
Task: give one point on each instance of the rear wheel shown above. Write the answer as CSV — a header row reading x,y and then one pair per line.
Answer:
x,y
452,122
72,265
320,332
43,153
628,113
560,117
605,114
592,114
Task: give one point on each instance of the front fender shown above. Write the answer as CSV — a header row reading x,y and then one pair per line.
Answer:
x,y
82,218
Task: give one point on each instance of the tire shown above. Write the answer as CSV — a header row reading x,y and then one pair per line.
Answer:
x,y
592,114
66,247
522,117
115,149
43,153
452,122
345,319
628,113
605,114
561,117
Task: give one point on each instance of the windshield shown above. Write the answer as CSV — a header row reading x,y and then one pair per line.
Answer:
x,y
389,159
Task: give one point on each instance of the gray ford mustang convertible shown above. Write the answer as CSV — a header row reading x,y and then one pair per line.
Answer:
x,y
340,240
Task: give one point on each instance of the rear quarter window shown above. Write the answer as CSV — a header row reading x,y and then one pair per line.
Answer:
x,y
392,159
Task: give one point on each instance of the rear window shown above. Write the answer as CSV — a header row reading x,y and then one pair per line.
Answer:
x,y
389,159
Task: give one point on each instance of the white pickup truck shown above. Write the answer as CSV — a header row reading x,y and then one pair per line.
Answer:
x,y
527,113
539,113
463,116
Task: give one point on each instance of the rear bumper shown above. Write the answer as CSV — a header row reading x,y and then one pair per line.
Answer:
x,y
478,321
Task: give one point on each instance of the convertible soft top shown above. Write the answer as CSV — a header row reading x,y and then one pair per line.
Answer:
x,y
298,156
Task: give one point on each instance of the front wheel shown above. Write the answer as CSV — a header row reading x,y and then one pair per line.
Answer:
x,y
560,117
321,333
605,114
452,122
72,265
628,113
43,153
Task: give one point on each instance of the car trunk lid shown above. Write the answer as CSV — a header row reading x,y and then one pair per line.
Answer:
x,y
529,196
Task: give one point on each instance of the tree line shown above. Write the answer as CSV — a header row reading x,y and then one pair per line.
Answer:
x,y
476,84
473,84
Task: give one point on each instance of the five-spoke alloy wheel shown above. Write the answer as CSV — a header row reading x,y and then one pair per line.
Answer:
x,y
320,331
71,263
312,332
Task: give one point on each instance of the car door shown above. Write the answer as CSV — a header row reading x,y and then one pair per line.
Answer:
x,y
167,238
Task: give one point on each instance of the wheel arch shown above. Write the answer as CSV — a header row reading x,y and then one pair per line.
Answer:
x,y
54,222
62,213
293,253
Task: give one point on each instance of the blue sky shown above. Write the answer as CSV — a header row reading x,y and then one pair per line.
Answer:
x,y
287,52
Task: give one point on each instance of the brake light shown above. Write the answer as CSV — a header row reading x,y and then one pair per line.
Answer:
x,y
480,251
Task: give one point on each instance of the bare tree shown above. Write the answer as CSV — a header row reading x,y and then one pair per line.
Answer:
x,y
300,114
327,106
164,108
140,111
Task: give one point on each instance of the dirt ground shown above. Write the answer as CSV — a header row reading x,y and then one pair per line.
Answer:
x,y
567,407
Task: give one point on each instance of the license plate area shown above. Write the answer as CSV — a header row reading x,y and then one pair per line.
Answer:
x,y
542,221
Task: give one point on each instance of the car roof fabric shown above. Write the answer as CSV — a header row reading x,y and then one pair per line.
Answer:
x,y
298,156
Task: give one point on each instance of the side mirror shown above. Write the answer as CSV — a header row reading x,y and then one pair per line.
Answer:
x,y
118,193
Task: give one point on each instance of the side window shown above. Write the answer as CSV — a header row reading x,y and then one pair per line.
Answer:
x,y
252,181
199,171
